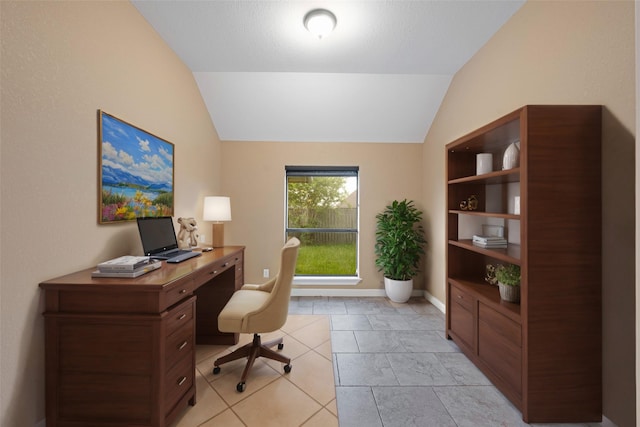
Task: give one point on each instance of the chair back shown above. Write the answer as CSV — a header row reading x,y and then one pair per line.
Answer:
x,y
281,293
273,313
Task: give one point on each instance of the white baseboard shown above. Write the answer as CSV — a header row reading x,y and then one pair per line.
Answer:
x,y
435,301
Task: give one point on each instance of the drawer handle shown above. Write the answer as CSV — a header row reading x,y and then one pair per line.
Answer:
x,y
183,345
215,272
212,272
182,380
183,291
460,297
225,264
182,316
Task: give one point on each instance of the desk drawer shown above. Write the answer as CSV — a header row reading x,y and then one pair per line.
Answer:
x,y
211,271
181,315
178,344
178,381
179,291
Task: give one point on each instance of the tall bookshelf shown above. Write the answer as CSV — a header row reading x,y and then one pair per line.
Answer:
x,y
545,353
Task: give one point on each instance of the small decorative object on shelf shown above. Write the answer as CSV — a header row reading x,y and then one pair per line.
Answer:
x,y
471,204
489,242
511,158
484,163
508,277
490,276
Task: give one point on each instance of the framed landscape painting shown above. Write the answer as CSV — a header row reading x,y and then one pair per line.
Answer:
x,y
135,172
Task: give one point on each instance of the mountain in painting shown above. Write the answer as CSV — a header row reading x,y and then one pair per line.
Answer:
x,y
118,177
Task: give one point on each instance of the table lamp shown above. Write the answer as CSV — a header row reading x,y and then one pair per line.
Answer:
x,y
217,209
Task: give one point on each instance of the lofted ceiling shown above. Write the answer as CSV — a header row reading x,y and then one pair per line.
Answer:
x,y
379,77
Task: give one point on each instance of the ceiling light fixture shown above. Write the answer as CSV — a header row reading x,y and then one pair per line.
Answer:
x,y
320,22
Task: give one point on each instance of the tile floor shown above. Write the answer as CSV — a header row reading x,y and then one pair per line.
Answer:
x,y
392,366
304,397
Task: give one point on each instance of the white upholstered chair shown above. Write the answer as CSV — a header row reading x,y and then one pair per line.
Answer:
x,y
255,309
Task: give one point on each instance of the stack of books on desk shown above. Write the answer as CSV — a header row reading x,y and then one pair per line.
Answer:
x,y
489,242
126,266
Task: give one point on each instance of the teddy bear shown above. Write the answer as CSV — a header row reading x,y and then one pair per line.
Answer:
x,y
187,236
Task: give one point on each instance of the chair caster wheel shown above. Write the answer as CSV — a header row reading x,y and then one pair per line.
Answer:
x,y
280,346
287,368
241,387
216,370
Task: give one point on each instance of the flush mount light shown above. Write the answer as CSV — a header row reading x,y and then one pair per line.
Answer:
x,y
320,22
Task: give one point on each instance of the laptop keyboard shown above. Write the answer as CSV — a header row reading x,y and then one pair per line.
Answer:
x,y
183,256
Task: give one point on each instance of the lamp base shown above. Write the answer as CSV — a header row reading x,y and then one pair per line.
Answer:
x,y
217,240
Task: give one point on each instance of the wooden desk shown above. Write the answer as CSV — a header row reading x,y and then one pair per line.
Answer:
x,y
121,352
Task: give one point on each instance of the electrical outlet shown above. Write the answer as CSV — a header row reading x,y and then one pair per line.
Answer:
x,y
265,273
202,238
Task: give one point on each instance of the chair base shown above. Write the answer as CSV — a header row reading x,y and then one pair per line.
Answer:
x,y
252,351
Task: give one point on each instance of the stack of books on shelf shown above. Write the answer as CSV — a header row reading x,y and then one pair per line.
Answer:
x,y
489,242
128,266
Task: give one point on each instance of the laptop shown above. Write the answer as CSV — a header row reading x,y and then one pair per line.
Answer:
x,y
158,239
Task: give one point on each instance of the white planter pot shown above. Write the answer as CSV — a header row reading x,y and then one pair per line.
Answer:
x,y
398,290
509,293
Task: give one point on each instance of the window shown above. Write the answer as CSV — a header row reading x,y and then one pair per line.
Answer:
x,y
322,211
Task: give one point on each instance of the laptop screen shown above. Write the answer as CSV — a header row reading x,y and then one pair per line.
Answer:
x,y
157,234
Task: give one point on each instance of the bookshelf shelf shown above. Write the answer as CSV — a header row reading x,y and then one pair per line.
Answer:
x,y
486,214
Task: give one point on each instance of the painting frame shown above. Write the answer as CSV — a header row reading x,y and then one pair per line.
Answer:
x,y
135,172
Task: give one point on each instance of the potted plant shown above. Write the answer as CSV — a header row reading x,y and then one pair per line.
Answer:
x,y
508,277
399,244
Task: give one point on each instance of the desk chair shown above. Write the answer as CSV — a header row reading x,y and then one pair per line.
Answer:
x,y
260,308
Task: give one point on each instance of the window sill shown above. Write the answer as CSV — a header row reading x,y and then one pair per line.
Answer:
x,y
326,281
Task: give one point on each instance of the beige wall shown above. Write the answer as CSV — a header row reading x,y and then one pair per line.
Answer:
x,y
253,176
554,53
61,62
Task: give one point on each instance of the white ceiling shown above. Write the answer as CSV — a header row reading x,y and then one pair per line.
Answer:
x,y
379,77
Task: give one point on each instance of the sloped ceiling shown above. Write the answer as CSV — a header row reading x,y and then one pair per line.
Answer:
x,y
379,77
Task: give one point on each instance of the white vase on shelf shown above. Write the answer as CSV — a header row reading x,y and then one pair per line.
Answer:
x,y
511,158
484,163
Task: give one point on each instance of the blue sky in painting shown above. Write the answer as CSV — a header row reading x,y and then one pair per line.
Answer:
x,y
130,150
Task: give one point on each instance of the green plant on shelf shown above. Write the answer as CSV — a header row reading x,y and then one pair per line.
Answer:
x,y
506,274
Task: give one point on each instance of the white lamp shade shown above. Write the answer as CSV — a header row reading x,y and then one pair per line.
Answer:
x,y
217,208
320,22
